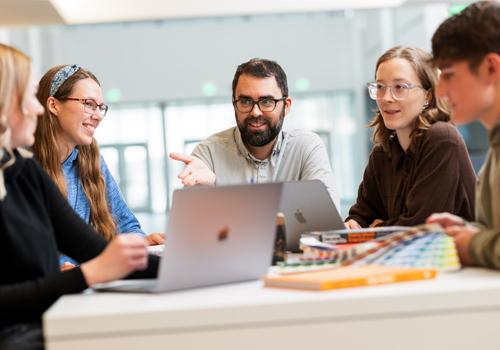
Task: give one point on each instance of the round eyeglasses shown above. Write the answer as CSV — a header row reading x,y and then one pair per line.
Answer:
x,y
89,106
398,90
265,105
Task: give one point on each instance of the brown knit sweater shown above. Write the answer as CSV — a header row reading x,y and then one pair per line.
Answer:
x,y
408,188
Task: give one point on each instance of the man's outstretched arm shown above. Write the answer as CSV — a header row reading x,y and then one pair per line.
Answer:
x,y
196,171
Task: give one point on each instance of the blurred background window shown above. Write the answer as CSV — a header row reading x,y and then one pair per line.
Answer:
x,y
166,68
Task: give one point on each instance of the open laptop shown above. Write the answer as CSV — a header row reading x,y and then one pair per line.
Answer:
x,y
215,235
307,206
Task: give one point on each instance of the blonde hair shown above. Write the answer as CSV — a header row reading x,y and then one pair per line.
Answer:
x,y
47,152
15,70
437,110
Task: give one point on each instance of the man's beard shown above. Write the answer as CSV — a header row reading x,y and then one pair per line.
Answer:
x,y
259,138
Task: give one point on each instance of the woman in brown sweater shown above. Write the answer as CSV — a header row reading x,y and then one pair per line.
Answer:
x,y
420,164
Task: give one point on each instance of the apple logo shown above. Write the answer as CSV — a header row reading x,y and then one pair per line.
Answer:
x,y
222,235
300,217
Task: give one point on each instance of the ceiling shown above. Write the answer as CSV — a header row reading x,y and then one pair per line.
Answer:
x,y
20,13
15,13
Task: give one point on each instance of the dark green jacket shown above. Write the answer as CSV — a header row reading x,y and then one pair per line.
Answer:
x,y
484,247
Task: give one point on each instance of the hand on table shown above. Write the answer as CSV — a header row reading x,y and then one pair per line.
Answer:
x,y
155,238
195,172
462,236
123,255
67,266
445,220
352,225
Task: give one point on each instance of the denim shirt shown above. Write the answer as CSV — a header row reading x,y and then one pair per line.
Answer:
x,y
125,220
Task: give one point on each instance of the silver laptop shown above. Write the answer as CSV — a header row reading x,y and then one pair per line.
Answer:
x,y
307,206
215,235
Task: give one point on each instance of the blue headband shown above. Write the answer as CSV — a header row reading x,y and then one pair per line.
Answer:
x,y
61,76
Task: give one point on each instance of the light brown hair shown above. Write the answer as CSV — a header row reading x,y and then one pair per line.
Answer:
x,y
47,152
15,70
437,110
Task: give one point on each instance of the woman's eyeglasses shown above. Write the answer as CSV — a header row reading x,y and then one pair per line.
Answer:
x,y
398,90
89,106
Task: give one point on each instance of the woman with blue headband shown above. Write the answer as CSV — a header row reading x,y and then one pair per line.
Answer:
x,y
36,222
66,148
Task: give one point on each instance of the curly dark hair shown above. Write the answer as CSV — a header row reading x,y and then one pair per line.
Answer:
x,y
262,68
469,35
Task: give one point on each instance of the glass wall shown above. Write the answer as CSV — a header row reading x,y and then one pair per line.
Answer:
x,y
132,144
167,96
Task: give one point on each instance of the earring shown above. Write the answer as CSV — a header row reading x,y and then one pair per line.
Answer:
x,y
426,104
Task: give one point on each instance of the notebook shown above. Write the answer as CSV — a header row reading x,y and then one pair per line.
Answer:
x,y
350,276
355,235
215,235
307,206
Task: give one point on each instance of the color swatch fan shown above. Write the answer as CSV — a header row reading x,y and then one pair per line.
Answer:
x,y
424,246
436,250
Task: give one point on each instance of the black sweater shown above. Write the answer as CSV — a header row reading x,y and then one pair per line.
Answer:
x,y
36,222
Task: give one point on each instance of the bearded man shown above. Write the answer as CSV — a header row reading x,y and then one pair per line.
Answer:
x,y
258,150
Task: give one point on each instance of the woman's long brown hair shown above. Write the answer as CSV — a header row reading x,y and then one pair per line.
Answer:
x,y
47,152
438,109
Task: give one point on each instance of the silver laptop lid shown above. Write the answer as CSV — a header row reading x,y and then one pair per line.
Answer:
x,y
219,235
307,207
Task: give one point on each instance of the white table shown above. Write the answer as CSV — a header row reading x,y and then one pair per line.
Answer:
x,y
455,311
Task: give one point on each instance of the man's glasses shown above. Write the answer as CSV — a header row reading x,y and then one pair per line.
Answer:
x,y
398,90
265,105
89,106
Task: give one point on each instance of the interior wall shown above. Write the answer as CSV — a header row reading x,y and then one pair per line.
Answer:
x,y
174,59
170,60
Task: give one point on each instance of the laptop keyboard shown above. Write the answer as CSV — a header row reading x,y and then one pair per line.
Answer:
x,y
156,249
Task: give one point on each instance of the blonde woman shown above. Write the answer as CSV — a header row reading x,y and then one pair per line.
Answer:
x,y
420,164
36,222
65,147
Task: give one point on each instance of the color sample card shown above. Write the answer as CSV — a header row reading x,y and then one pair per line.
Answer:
x,y
422,247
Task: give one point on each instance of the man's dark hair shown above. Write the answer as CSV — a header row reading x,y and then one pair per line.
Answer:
x,y
469,35
262,68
